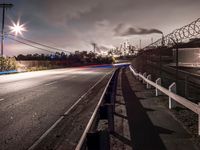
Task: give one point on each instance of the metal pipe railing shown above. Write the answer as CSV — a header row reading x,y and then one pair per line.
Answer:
x,y
172,96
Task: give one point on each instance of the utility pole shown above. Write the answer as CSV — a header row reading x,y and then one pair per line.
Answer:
x,y
95,47
4,6
163,40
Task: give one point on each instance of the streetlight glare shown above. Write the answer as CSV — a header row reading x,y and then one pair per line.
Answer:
x,y
17,28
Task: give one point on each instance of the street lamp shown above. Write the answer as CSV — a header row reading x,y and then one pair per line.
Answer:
x,y
17,28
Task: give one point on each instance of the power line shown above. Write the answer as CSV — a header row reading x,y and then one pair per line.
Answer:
x,y
43,45
30,45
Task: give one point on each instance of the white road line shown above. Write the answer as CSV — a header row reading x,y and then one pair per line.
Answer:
x,y
1,99
84,95
50,83
53,126
45,134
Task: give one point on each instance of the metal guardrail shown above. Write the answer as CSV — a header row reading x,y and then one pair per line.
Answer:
x,y
81,144
169,92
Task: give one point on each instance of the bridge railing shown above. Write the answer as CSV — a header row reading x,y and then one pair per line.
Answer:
x,y
171,93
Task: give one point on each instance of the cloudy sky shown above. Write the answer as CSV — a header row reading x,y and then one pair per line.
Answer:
x,y
74,24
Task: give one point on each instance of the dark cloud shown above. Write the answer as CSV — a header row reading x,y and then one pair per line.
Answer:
x,y
123,30
72,24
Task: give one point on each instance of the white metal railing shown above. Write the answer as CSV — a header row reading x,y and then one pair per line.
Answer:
x,y
171,92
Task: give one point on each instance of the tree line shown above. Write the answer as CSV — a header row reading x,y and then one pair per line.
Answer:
x,y
82,57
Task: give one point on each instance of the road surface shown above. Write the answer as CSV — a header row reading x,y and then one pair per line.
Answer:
x,y
31,102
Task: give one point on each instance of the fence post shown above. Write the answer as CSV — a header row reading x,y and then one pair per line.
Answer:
x,y
172,88
145,75
199,120
158,82
149,78
186,86
134,73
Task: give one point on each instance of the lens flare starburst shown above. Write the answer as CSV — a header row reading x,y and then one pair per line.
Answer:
x,y
17,28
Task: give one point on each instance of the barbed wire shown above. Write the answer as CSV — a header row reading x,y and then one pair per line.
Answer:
x,y
179,35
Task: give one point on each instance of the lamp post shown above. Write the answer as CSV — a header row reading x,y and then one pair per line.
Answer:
x,y
17,29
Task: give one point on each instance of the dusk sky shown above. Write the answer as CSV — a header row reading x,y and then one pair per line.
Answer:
x,y
74,24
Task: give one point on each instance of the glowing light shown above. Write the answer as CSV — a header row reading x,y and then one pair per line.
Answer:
x,y
17,28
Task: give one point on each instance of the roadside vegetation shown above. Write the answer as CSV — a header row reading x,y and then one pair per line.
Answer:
x,y
73,58
8,63
34,62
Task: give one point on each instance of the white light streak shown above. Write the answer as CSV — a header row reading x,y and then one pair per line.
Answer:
x,y
17,28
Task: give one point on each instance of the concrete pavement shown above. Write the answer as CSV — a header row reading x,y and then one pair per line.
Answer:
x,y
151,125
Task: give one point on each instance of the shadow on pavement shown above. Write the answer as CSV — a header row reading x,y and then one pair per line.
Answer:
x,y
144,135
122,138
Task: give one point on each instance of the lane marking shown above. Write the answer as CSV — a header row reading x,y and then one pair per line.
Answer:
x,y
50,83
84,95
54,125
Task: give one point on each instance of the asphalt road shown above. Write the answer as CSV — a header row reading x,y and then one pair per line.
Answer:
x,y
31,102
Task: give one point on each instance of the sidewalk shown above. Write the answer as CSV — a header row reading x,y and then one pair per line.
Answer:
x,y
143,124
